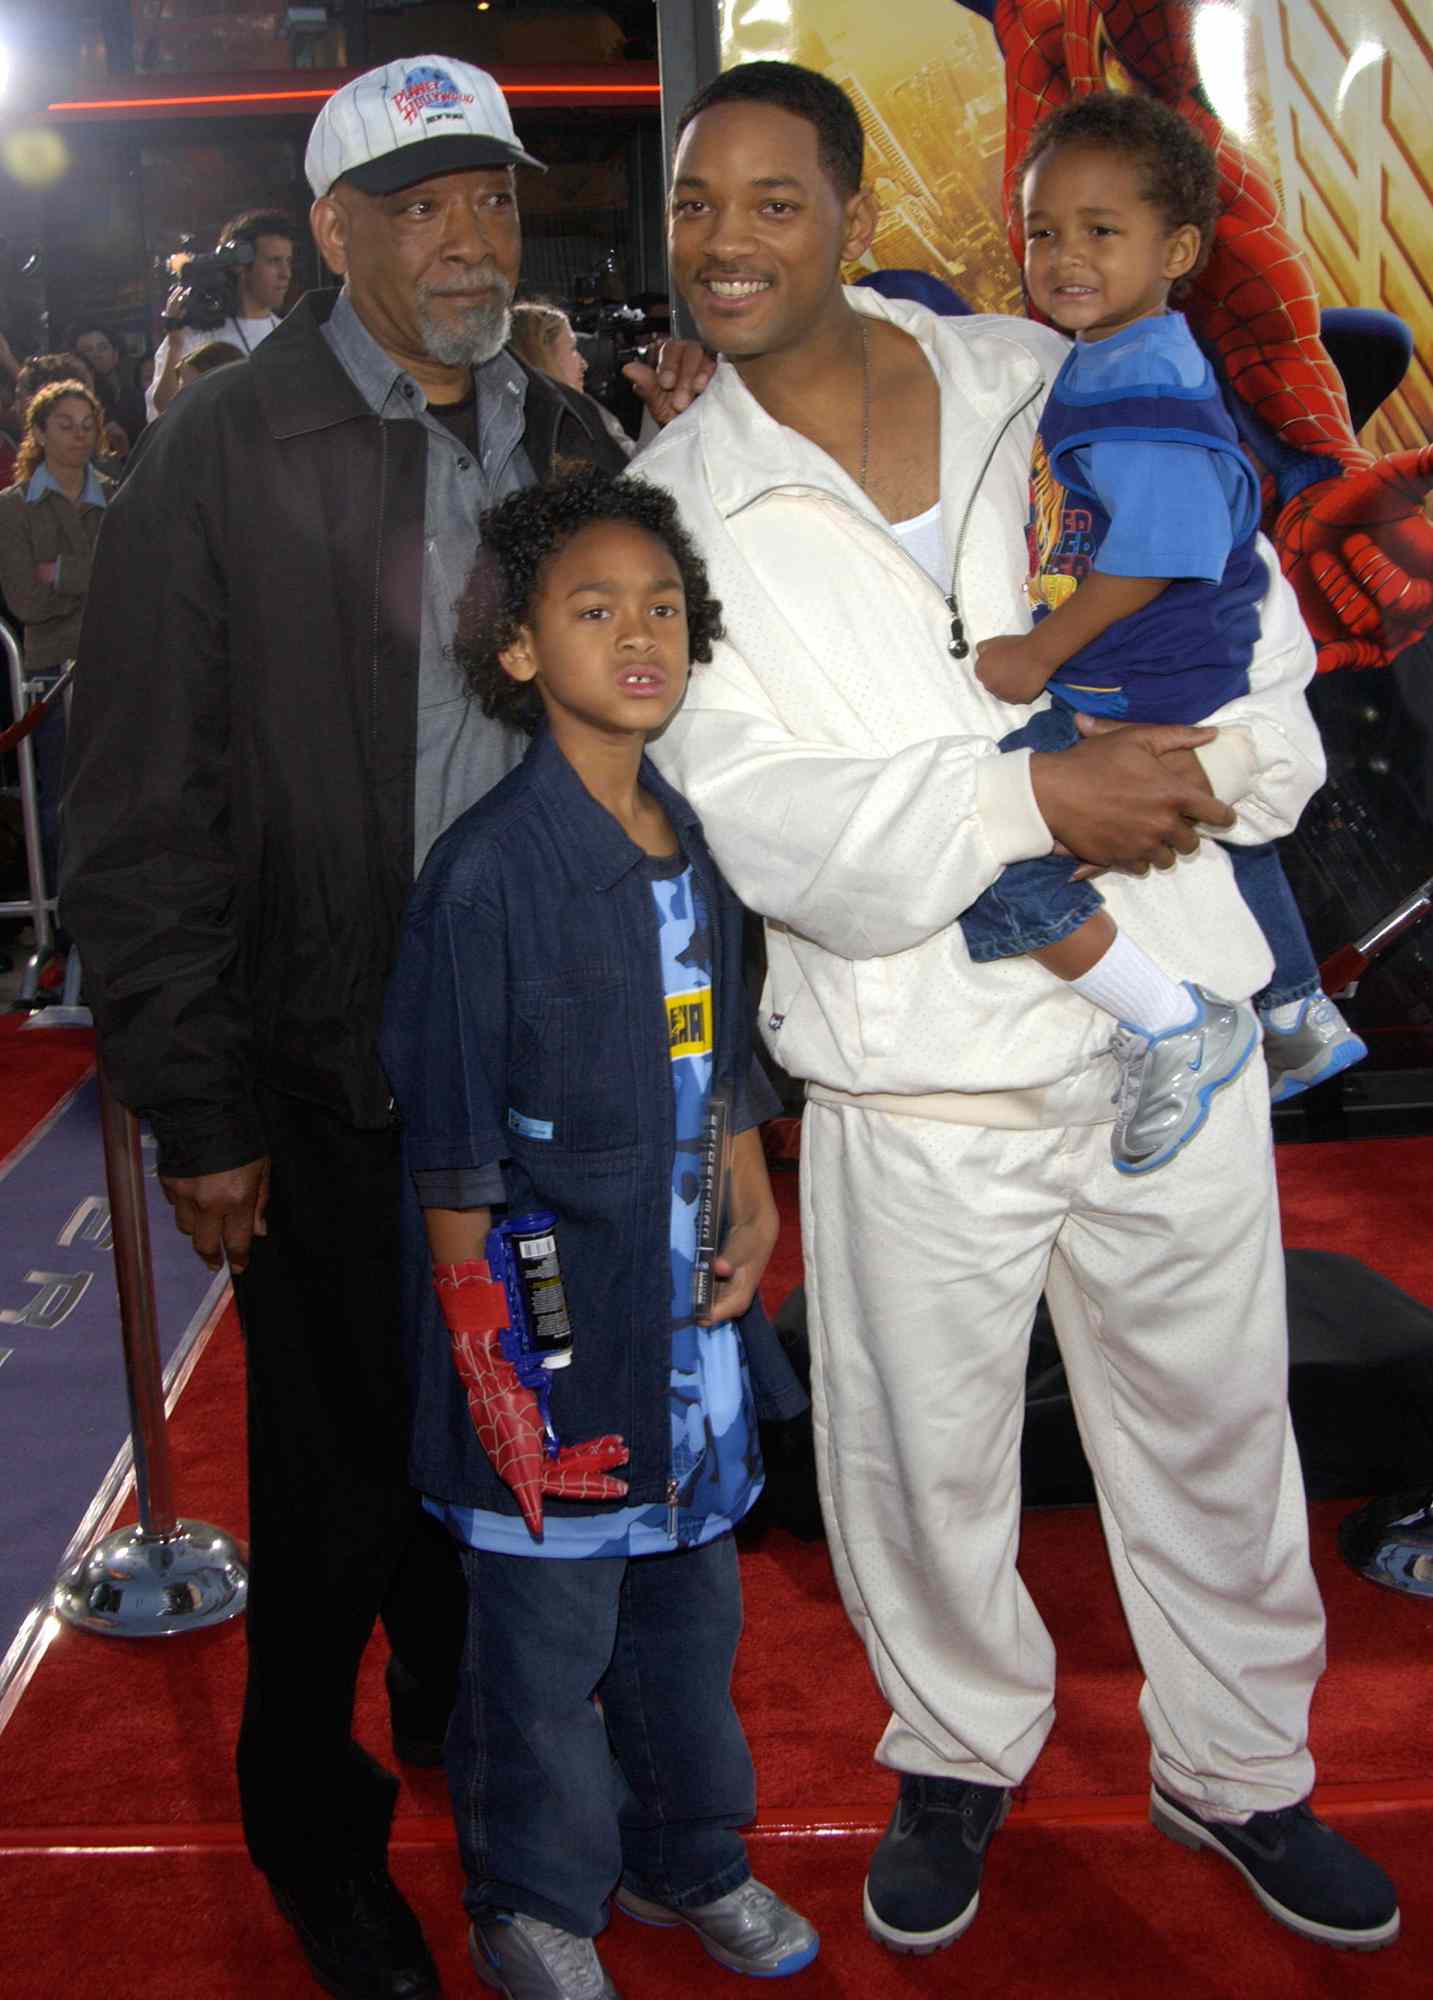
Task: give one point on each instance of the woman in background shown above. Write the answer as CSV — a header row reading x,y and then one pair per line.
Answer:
x,y
49,523
542,336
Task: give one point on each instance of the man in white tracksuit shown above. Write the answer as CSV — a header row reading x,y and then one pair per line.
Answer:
x,y
851,457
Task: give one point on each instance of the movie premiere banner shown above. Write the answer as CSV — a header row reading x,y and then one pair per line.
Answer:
x,y
1318,294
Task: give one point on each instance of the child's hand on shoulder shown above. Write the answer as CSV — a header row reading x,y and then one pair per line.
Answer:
x,y
1008,667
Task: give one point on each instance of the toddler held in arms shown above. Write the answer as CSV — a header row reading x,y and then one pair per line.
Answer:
x,y
1146,586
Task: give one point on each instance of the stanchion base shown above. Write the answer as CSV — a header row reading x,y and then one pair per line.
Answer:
x,y
140,1586
58,1017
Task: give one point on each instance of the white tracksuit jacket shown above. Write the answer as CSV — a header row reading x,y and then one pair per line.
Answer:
x,y
845,765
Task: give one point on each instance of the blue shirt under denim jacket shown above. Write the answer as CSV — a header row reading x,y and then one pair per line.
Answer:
x,y
526,1022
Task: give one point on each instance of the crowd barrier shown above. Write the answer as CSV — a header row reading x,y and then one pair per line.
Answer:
x,y
30,707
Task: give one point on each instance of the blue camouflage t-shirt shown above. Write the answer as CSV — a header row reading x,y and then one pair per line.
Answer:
x,y
716,1456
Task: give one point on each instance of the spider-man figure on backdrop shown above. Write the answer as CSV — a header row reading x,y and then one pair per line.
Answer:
x,y
1350,529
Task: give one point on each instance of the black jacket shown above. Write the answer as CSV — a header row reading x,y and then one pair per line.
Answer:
x,y
239,802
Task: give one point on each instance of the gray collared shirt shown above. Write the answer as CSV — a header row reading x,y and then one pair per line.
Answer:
x,y
461,752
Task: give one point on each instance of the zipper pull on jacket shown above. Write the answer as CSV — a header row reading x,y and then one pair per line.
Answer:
x,y
959,646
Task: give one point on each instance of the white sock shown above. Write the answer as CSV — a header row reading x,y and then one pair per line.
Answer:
x,y
1129,985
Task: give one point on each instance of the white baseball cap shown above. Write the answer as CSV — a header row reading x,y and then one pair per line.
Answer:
x,y
422,115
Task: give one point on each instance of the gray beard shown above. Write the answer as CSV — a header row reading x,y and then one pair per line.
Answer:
x,y
478,332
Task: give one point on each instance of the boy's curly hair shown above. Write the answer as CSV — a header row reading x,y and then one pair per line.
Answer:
x,y
1179,174
521,536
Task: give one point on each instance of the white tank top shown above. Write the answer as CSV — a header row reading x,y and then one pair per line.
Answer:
x,y
921,539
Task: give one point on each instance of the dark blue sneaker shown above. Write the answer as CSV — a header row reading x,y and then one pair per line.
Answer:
x,y
1303,1873
923,1885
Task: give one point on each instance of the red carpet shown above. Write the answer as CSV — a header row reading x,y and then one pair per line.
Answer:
x,y
124,1873
36,1070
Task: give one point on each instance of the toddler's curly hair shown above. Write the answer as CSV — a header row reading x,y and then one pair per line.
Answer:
x,y
521,536
1178,172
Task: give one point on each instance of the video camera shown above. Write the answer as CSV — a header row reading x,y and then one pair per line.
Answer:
x,y
613,333
207,292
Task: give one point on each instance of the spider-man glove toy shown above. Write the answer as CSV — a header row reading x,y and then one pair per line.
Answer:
x,y
507,1398
1358,550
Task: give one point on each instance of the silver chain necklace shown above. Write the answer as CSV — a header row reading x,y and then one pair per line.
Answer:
x,y
865,405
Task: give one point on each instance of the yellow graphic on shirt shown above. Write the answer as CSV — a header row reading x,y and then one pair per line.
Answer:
x,y
689,1023
1059,536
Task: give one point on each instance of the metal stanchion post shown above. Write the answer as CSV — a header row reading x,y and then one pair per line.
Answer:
x,y
1340,974
38,906
161,1574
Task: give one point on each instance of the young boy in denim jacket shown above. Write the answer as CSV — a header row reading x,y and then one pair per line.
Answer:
x,y
567,994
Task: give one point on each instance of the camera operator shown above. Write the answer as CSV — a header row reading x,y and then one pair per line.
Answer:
x,y
237,294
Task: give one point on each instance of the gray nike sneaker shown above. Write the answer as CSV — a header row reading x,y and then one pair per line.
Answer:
x,y
526,1959
748,1930
1167,1080
1320,1044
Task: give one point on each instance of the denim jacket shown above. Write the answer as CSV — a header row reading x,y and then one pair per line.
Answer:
x,y
526,1022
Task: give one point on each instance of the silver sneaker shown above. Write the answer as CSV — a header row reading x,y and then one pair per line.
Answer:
x,y
1167,1080
1319,1045
529,1960
748,1930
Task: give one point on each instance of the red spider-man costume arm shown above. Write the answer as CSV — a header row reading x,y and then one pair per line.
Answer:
x,y
1032,41
1254,304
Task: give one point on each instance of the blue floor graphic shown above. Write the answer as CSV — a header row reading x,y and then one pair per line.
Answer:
x,y
64,1413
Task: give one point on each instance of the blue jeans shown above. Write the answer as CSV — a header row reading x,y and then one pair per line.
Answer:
x,y
1035,903
557,1800
1264,886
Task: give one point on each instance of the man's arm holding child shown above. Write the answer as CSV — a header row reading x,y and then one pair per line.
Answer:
x,y
868,854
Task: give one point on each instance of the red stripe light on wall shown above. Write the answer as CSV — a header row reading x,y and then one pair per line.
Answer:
x,y
577,86
151,103
317,96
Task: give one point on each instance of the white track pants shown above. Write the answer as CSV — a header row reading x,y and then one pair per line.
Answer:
x,y
927,1245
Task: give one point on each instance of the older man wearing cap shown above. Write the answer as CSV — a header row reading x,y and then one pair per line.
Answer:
x,y
269,734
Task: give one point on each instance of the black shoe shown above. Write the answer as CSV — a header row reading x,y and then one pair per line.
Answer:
x,y
418,1727
923,1885
1303,1873
360,1937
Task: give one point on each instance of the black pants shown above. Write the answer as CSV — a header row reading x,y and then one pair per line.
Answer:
x,y
337,1535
